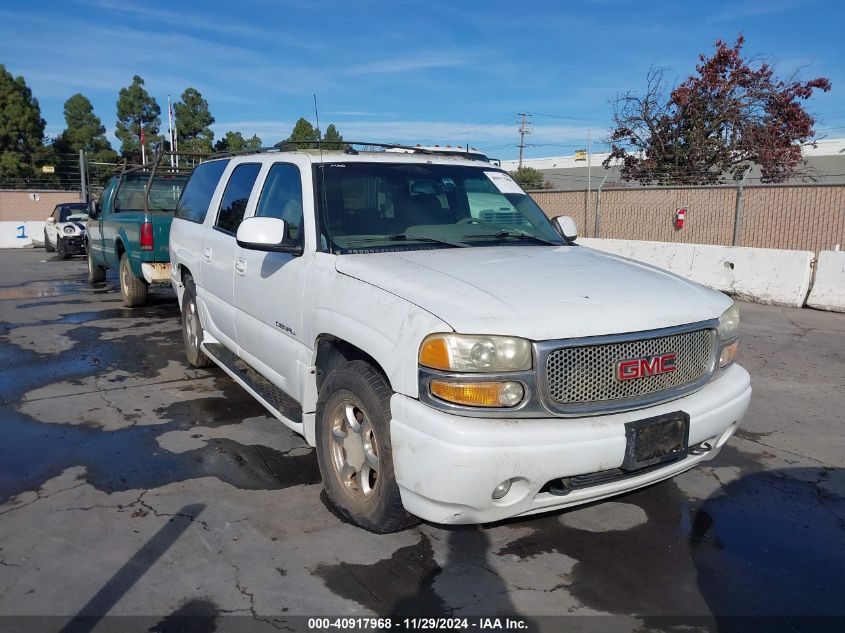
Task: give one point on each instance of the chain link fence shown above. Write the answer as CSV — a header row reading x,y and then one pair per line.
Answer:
x,y
798,217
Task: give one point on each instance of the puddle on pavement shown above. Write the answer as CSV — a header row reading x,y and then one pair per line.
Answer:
x,y
38,289
32,452
399,586
765,543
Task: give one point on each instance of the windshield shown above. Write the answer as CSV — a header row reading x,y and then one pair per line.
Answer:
x,y
164,193
72,212
389,206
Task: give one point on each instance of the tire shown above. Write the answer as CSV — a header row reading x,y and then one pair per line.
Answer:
x,y
96,274
47,246
134,290
60,248
357,464
192,332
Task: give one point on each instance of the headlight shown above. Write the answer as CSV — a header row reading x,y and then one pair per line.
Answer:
x,y
729,323
69,230
470,353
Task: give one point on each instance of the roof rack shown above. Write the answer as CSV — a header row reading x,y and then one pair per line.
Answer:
x,y
289,146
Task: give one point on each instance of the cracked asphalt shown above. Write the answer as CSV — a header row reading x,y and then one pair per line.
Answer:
x,y
131,484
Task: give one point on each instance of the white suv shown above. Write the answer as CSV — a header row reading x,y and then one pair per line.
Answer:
x,y
450,352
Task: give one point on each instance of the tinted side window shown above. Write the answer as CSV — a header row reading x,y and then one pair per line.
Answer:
x,y
281,198
193,204
233,205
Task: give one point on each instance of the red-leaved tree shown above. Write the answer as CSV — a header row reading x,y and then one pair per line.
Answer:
x,y
716,124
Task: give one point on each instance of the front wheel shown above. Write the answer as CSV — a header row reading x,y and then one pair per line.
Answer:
x,y
61,249
47,246
354,450
134,290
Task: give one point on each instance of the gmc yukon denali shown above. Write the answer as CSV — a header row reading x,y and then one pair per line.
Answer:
x,y
451,352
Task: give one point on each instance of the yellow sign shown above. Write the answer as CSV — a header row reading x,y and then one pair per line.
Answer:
x,y
48,169
580,154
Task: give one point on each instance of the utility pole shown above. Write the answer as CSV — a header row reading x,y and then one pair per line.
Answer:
x,y
83,177
523,130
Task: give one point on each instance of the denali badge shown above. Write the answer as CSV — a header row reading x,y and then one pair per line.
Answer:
x,y
644,367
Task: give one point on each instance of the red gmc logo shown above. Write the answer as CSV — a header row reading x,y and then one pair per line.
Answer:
x,y
644,367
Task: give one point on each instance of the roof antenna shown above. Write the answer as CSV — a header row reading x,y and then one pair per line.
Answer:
x,y
325,202
319,134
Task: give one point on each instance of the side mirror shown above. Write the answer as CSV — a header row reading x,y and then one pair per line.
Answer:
x,y
51,220
566,226
266,234
93,209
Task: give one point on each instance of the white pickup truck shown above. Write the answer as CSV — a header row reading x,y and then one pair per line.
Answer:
x,y
451,353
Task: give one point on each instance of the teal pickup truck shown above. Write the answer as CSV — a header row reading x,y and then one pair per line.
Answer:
x,y
129,228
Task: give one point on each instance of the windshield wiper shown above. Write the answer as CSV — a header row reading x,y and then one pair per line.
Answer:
x,y
401,237
520,235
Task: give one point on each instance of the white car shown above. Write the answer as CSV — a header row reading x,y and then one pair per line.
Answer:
x,y
64,230
451,353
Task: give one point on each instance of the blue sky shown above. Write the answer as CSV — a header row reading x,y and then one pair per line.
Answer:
x,y
429,71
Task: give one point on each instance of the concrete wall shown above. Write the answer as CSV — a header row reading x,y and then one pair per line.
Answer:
x,y
21,234
763,275
828,291
17,204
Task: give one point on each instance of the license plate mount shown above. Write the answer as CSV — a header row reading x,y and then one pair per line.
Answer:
x,y
656,440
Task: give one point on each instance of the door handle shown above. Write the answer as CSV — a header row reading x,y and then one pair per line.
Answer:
x,y
206,254
240,266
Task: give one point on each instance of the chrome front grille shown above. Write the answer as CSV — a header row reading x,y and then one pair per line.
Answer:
x,y
586,375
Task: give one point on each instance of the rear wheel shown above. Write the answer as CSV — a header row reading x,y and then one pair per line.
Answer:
x,y
134,290
192,331
47,246
96,274
354,450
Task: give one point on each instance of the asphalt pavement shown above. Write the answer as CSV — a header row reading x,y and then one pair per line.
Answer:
x,y
133,485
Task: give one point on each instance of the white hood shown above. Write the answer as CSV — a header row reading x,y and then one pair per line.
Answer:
x,y
537,292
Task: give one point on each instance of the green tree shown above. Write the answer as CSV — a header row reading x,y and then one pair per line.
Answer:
x,y
302,133
22,149
332,139
192,122
528,178
86,132
135,106
235,142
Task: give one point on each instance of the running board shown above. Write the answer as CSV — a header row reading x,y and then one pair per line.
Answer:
x,y
280,404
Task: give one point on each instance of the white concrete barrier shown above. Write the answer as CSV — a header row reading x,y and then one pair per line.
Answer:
x,y
762,275
21,234
828,291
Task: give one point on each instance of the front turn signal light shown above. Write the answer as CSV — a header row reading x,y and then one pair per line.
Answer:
x,y
728,354
479,394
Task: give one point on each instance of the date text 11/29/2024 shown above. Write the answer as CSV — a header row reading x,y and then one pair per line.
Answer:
x,y
418,623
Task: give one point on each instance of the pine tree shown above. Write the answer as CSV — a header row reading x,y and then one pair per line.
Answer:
x,y
192,122
135,107
21,132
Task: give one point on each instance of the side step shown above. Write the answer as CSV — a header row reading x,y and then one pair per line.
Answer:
x,y
277,401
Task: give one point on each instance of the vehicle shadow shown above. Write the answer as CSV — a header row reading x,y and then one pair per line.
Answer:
x,y
769,551
124,579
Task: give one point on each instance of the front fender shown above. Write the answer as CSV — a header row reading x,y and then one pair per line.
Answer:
x,y
385,326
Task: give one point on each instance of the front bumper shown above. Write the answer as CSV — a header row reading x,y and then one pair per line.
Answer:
x,y
447,465
74,244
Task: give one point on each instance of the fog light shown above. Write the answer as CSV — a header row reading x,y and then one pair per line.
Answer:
x,y
502,489
728,354
479,394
